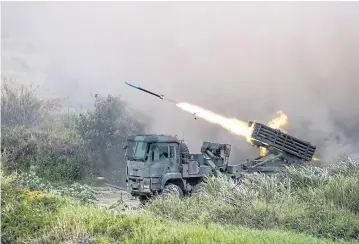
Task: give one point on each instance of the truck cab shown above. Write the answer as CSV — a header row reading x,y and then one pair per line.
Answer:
x,y
161,163
152,160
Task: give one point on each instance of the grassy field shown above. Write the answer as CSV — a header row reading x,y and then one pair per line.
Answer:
x,y
309,205
316,201
39,217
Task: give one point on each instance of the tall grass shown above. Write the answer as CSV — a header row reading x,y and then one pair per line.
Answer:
x,y
33,217
302,205
323,202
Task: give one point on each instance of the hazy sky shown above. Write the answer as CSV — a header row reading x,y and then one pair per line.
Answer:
x,y
242,59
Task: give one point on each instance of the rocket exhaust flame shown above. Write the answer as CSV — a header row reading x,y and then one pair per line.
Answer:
x,y
276,123
279,122
232,125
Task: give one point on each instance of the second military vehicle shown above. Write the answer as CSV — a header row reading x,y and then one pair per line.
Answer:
x,y
157,164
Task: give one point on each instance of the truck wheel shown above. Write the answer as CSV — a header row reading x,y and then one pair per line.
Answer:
x,y
198,187
143,199
172,189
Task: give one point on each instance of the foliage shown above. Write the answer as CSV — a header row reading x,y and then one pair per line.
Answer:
x,y
30,180
21,106
6,178
33,182
25,214
34,217
64,120
323,202
105,129
83,193
63,146
54,157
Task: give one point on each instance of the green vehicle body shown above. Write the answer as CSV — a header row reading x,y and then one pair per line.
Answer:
x,y
156,163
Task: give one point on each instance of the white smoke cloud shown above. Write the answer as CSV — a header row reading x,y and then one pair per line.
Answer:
x,y
242,59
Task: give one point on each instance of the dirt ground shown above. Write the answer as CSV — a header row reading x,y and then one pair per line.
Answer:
x,y
109,196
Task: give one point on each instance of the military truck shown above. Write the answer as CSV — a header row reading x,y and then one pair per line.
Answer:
x,y
159,164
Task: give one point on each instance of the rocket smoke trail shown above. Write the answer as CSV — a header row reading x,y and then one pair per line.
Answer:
x,y
232,125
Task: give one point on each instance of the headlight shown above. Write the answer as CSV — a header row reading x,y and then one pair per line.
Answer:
x,y
146,183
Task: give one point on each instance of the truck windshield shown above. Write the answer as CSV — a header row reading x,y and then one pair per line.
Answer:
x,y
158,152
136,150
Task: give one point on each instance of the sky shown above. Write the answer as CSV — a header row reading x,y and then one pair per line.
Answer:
x,y
245,60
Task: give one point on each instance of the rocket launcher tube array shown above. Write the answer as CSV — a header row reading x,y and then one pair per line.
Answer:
x,y
263,134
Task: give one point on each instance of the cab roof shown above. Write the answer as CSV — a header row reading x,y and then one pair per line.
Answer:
x,y
154,138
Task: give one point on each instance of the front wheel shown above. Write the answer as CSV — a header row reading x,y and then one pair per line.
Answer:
x,y
143,199
198,187
172,189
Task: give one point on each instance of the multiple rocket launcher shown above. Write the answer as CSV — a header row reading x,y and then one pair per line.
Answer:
x,y
267,137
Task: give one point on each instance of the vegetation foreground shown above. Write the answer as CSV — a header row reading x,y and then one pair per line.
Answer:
x,y
308,205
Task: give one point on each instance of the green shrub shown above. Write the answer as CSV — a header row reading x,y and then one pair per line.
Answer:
x,y
104,130
33,182
64,146
21,105
83,193
56,159
25,214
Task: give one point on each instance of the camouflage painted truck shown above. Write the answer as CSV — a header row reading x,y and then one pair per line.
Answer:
x,y
158,164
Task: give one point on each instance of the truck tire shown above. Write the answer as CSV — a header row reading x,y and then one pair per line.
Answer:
x,y
172,189
143,199
198,187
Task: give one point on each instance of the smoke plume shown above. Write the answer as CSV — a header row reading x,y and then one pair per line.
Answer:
x,y
240,59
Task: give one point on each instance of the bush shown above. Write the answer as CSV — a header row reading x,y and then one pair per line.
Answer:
x,y
52,157
33,182
63,146
25,214
82,193
21,106
105,130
